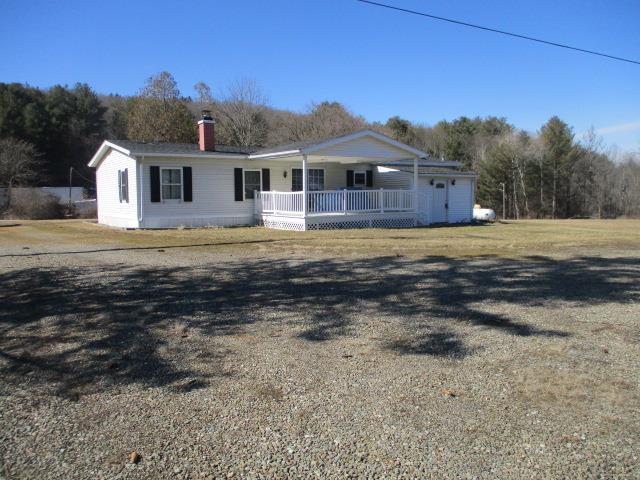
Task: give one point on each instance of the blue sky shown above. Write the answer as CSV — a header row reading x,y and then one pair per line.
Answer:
x,y
377,62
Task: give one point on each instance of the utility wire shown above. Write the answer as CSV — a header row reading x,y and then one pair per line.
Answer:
x,y
82,176
524,37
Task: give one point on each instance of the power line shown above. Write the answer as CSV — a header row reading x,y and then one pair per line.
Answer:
x,y
80,175
524,37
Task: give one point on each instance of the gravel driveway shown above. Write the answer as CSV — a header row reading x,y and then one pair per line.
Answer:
x,y
264,366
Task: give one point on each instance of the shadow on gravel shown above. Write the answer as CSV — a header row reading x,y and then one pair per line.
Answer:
x,y
133,249
81,330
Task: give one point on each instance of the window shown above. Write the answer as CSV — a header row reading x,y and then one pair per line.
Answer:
x,y
251,183
315,176
123,185
296,180
439,185
359,179
171,183
316,179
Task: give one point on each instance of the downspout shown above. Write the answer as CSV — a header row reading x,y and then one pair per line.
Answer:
x,y
140,193
415,190
473,196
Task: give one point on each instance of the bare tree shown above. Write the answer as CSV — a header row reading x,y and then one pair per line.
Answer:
x,y
161,87
18,164
324,120
241,114
205,97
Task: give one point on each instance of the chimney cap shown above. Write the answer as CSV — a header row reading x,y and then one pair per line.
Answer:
x,y
206,115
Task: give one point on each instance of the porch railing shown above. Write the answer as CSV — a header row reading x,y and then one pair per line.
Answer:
x,y
334,202
277,203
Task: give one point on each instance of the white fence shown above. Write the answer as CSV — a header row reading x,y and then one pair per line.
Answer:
x,y
334,202
61,193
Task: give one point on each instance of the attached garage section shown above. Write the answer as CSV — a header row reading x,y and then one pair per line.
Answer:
x,y
445,195
445,199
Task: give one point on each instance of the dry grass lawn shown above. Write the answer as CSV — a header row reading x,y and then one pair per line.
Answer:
x,y
508,350
507,239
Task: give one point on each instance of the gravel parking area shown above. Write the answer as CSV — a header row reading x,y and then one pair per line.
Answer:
x,y
197,363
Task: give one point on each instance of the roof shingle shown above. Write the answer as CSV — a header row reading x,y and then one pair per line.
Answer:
x,y
177,148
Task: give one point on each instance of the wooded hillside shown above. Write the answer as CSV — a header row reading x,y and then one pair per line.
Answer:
x,y
546,174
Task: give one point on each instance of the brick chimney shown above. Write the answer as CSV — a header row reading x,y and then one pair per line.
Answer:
x,y
206,132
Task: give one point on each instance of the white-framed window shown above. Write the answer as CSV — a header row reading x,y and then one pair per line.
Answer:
x,y
359,179
123,185
252,182
315,177
171,184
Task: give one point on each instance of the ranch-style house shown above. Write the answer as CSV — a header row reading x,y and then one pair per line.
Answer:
x,y
360,180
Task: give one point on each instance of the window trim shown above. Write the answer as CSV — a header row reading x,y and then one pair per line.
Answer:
x,y
244,182
324,178
124,185
120,186
172,200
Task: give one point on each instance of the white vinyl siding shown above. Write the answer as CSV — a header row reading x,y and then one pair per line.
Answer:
x,y
213,190
461,201
335,175
364,147
111,211
213,195
392,180
460,196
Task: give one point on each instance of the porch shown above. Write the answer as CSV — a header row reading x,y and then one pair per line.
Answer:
x,y
332,184
329,209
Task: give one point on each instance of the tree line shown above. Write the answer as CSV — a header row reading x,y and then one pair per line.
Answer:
x,y
547,174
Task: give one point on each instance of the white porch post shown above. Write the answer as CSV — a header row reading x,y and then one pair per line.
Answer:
x,y
415,190
305,186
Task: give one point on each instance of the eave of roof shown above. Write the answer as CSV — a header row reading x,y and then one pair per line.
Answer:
x,y
182,150
431,171
187,150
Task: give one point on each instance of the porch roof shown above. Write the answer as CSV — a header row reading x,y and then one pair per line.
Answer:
x,y
364,146
434,171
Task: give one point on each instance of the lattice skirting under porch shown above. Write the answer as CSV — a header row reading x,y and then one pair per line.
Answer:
x,y
283,223
371,223
336,222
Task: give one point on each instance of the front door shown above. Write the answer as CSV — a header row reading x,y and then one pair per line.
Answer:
x,y
439,201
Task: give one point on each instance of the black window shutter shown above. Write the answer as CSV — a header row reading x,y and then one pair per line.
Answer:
x,y
296,179
238,187
349,178
155,183
369,178
120,185
187,185
266,179
125,182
